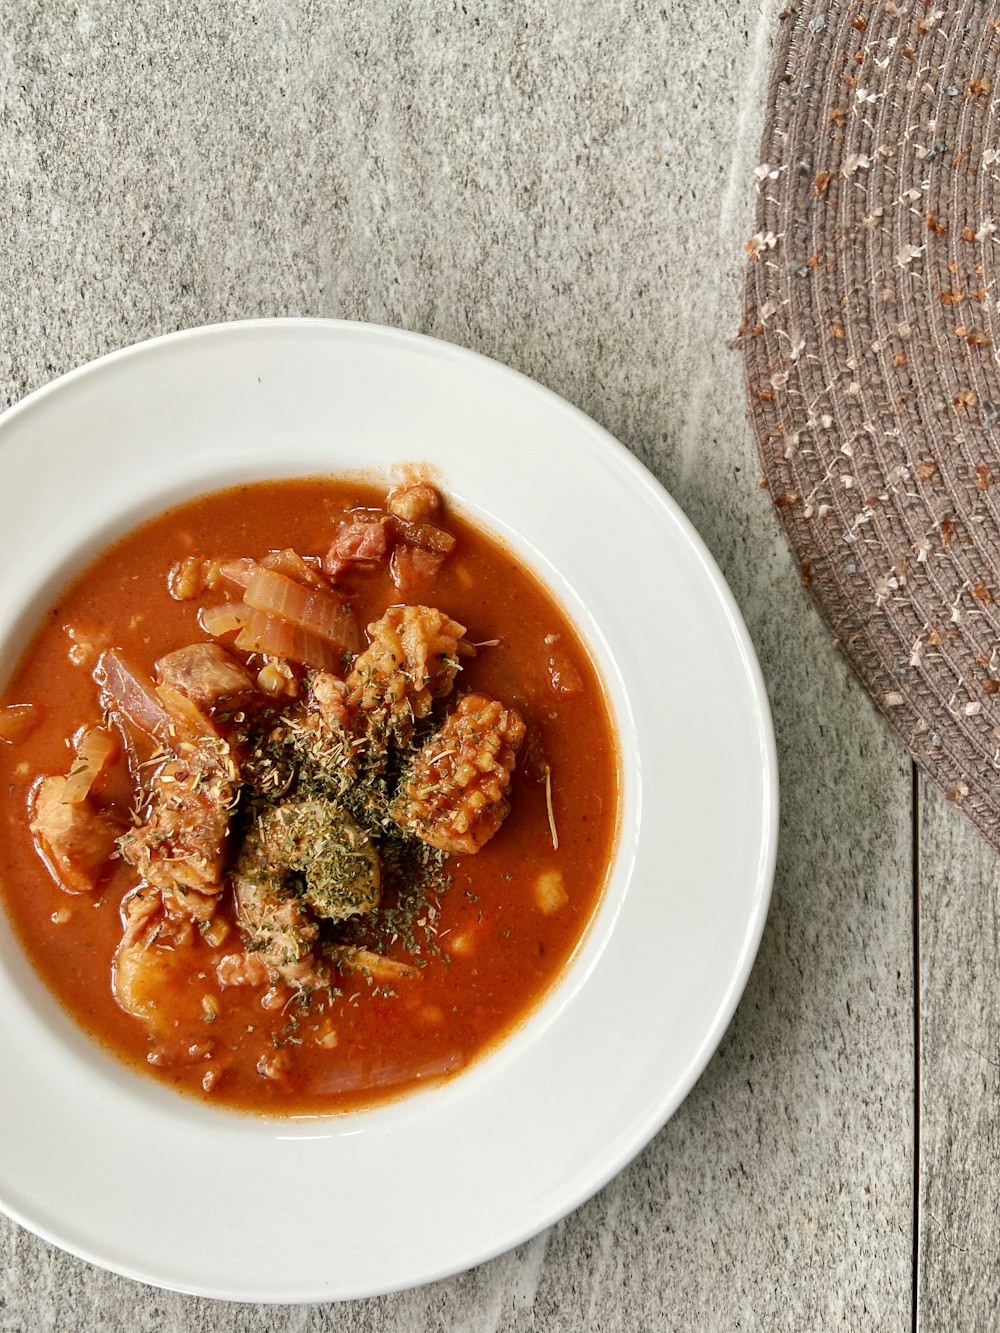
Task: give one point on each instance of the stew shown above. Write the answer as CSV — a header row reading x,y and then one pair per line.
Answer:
x,y
310,791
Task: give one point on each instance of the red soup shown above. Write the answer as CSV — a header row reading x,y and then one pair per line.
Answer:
x,y
310,792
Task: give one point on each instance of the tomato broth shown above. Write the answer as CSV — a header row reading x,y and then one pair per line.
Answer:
x,y
494,928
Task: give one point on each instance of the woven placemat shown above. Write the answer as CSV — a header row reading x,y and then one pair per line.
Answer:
x,y
873,358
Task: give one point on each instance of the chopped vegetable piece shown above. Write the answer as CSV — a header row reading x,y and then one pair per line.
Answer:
x,y
187,722
238,572
323,614
263,633
160,711
192,576
425,535
294,566
133,696
277,678
224,619
18,721
93,750
550,891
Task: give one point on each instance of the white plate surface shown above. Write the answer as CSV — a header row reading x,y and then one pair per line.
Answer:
x,y
119,1170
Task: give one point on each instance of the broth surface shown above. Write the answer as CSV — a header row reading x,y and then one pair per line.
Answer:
x,y
498,926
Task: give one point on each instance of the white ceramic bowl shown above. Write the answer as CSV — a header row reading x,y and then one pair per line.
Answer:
x,y
113,1166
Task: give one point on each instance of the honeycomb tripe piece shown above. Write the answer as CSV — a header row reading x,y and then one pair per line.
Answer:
x,y
453,793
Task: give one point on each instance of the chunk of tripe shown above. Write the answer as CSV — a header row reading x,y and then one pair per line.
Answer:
x,y
550,891
76,839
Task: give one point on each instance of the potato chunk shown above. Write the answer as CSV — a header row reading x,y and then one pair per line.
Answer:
x,y
151,964
453,794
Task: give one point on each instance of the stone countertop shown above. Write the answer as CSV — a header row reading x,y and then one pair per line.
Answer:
x,y
566,188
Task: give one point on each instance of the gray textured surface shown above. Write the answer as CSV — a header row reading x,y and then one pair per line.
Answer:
x,y
960,1060
566,188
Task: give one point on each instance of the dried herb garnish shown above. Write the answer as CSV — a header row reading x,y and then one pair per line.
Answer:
x,y
318,775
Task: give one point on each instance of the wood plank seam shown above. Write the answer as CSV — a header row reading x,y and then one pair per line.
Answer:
x,y
915,880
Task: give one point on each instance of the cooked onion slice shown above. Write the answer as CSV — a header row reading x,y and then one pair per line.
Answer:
x,y
94,748
18,721
187,721
320,613
163,713
238,572
224,619
377,965
262,633
425,535
292,564
133,697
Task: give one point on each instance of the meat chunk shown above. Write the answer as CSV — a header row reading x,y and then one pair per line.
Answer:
x,y
314,744
299,861
453,795
411,661
280,930
242,969
181,843
205,673
75,838
330,697
362,542
188,904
